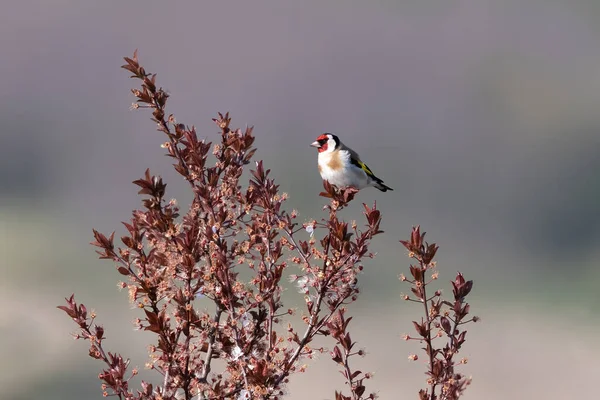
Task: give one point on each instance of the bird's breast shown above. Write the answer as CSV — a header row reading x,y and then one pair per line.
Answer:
x,y
338,170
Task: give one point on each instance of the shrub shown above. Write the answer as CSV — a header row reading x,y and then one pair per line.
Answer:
x,y
246,347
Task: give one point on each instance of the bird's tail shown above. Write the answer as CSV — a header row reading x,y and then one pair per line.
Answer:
x,y
381,186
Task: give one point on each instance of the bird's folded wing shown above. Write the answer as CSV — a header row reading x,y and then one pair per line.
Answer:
x,y
362,166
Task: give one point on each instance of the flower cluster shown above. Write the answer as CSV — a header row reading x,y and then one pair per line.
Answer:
x,y
209,280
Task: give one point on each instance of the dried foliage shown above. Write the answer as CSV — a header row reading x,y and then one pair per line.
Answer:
x,y
219,336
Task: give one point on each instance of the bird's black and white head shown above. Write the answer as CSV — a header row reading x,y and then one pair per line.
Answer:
x,y
326,143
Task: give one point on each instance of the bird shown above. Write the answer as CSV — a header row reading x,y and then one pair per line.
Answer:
x,y
341,166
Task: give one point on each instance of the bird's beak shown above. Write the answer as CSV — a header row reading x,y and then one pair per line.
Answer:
x,y
315,144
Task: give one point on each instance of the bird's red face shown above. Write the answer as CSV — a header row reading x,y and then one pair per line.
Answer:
x,y
321,143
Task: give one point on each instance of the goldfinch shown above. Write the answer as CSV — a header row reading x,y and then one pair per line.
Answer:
x,y
342,167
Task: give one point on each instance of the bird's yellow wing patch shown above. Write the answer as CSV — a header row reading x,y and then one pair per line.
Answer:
x,y
363,166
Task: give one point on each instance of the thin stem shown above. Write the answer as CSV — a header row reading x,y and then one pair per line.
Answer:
x,y
269,336
166,381
190,297
242,361
298,249
428,334
349,375
305,338
271,302
211,342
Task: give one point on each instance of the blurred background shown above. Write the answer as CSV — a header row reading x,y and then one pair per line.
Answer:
x,y
481,114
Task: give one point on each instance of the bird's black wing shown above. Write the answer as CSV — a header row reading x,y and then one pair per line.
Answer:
x,y
356,161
